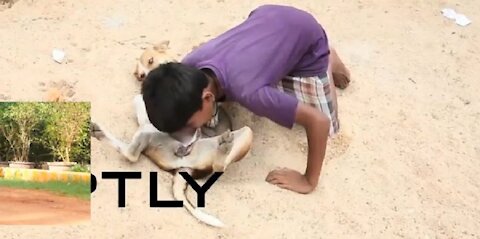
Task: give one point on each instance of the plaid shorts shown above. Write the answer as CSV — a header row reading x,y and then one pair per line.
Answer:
x,y
314,91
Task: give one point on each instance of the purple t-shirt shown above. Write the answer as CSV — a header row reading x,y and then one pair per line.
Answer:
x,y
251,58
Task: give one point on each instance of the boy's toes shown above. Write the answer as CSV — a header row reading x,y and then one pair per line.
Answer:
x,y
340,80
96,131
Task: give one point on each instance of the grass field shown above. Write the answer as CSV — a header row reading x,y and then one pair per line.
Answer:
x,y
79,190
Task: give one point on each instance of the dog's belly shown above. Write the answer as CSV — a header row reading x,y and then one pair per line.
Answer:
x,y
164,160
200,158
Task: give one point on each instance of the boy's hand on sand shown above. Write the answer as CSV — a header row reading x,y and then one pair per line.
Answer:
x,y
290,179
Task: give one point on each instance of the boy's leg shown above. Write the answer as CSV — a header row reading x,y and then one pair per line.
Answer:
x,y
332,97
317,91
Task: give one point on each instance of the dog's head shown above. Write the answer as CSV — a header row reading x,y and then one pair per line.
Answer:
x,y
151,58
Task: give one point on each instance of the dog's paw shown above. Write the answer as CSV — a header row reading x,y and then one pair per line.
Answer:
x,y
96,131
225,142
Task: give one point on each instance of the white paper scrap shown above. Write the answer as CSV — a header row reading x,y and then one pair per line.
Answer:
x,y
58,55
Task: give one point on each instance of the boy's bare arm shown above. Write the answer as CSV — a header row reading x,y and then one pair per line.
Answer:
x,y
317,127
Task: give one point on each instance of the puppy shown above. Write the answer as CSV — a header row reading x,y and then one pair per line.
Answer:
x,y
151,58
207,155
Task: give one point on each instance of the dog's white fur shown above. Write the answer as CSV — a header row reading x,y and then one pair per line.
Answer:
x,y
207,154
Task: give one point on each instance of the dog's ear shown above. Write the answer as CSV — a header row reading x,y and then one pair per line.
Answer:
x,y
162,46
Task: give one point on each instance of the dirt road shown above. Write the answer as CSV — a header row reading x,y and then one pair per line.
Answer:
x,y
35,207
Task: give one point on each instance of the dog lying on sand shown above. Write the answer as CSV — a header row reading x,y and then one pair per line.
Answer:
x,y
207,155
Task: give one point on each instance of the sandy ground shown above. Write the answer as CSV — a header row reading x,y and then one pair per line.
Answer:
x,y
406,164
34,207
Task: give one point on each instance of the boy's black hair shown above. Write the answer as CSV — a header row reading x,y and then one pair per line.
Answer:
x,y
173,93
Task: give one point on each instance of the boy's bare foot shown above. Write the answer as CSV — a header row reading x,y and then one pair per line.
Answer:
x,y
290,179
340,73
340,80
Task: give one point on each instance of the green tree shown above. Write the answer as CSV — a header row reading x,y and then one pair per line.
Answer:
x,y
66,127
18,122
5,150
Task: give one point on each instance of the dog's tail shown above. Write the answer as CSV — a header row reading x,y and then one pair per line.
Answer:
x,y
179,187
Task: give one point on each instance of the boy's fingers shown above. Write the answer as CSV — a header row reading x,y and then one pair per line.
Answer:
x,y
280,172
284,185
279,182
269,177
274,175
275,181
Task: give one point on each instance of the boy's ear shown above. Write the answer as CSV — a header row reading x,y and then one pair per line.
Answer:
x,y
208,95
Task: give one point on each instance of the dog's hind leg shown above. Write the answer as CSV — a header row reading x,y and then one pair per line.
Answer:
x,y
232,147
225,143
179,186
141,111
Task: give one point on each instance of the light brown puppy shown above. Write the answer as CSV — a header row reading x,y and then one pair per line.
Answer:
x,y
151,58
208,155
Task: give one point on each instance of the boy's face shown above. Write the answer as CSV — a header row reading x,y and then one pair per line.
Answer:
x,y
201,117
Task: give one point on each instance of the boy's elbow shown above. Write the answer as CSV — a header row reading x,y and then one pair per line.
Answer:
x,y
319,122
323,119
312,118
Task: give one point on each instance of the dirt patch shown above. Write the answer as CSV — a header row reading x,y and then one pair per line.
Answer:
x,y
6,4
58,90
4,97
35,207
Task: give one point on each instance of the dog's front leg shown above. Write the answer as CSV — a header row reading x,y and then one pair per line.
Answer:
x,y
141,111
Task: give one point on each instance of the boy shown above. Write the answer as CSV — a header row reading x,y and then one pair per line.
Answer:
x,y
275,64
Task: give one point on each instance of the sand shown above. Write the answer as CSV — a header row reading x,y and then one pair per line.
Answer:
x,y
37,207
406,164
